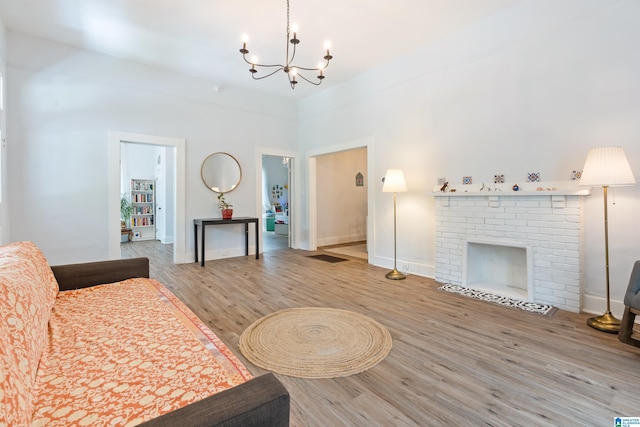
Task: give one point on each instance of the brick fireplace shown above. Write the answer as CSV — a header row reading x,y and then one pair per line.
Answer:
x,y
523,244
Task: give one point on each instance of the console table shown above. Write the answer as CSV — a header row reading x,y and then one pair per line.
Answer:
x,y
203,222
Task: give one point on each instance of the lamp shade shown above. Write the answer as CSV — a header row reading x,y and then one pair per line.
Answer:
x,y
606,166
394,181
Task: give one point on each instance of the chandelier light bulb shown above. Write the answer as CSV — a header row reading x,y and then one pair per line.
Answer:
x,y
254,61
245,39
293,72
294,28
328,57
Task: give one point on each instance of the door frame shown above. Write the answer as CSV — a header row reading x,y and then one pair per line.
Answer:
x,y
179,219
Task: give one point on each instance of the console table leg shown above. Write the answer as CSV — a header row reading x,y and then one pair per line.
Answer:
x,y
195,240
203,228
257,242
246,239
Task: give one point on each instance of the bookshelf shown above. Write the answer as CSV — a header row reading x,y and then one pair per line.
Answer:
x,y
143,217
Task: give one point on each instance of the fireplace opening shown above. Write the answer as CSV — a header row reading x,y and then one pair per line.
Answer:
x,y
498,267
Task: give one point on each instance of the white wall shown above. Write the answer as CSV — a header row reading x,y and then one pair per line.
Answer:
x,y
64,102
529,89
341,206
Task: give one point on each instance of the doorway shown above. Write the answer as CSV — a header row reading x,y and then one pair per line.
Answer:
x,y
177,147
325,184
151,164
275,183
275,202
341,197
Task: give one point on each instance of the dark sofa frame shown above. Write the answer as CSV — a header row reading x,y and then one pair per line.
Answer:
x,y
261,401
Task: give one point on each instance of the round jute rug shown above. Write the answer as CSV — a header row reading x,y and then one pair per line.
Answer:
x,y
314,342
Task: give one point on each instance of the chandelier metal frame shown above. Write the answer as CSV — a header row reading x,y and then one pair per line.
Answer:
x,y
291,70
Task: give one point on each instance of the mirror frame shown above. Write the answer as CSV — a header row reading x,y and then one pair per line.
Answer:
x,y
220,153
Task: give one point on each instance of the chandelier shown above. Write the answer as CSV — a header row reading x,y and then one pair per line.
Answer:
x,y
293,71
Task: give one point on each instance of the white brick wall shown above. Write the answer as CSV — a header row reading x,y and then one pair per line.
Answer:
x,y
551,225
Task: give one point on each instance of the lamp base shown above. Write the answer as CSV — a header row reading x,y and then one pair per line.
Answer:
x,y
607,323
396,275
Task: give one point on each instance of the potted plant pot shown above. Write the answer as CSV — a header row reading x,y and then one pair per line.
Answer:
x,y
227,213
225,207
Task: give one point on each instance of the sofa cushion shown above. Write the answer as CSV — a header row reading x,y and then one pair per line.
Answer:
x,y
127,352
27,293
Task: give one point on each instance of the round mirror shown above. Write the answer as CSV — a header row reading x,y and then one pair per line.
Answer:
x,y
221,172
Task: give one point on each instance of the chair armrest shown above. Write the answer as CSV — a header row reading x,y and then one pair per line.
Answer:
x,y
632,295
261,401
76,276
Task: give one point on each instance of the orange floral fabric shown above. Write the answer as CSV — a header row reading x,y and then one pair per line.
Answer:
x,y
127,352
27,293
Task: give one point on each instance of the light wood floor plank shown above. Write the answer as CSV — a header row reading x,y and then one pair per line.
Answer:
x,y
455,360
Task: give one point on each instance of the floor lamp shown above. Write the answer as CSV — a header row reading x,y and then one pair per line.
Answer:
x,y
394,183
605,167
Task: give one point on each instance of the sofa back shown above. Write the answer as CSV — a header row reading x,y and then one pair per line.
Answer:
x,y
28,291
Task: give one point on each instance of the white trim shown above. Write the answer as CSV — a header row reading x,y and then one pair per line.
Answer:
x,y
597,305
115,138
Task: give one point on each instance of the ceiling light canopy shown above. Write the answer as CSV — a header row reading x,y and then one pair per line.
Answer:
x,y
293,71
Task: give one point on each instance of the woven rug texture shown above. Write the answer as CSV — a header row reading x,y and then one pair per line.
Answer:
x,y
315,342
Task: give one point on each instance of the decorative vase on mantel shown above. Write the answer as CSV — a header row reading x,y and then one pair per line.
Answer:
x,y
227,213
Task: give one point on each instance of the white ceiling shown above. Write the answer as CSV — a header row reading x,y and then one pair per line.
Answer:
x,y
202,37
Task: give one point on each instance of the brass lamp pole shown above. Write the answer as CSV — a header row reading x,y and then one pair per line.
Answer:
x,y
394,183
606,322
606,166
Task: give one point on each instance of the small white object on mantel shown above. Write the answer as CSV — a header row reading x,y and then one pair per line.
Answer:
x,y
548,188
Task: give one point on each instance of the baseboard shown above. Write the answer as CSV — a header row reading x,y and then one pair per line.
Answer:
x,y
407,267
598,305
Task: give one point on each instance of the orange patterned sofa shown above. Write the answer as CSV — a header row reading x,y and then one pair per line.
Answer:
x,y
102,344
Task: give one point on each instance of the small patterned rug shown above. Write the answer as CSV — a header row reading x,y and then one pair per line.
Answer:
x,y
533,307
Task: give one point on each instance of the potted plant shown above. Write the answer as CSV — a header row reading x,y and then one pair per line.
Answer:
x,y
126,209
225,207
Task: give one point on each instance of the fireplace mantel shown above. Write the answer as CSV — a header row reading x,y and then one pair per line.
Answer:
x,y
510,193
550,188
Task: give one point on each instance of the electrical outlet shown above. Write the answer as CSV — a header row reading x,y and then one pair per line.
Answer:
x,y
405,269
441,181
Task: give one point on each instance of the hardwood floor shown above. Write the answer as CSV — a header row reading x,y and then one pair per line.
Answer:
x,y
455,361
